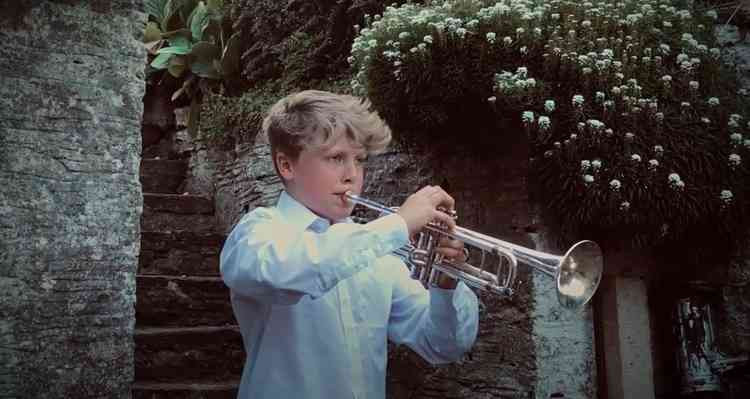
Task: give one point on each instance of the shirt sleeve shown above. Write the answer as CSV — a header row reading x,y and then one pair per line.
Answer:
x,y
274,262
439,324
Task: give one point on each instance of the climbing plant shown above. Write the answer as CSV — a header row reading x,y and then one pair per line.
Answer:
x,y
639,135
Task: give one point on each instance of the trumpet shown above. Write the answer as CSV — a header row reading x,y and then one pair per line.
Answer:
x,y
577,273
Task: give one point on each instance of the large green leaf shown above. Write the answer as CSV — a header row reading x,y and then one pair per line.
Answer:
x,y
174,50
152,32
161,61
198,20
215,5
204,69
155,8
177,66
172,19
206,52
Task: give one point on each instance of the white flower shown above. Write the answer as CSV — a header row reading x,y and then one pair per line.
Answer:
x,y
544,123
712,14
549,106
372,43
599,96
726,196
577,100
635,158
585,165
685,104
615,184
713,101
694,85
659,116
715,52
491,37
403,35
596,164
522,72
507,40
653,163
588,179
427,39
492,99
673,178
624,205
527,117
734,160
705,120
666,79
629,137
658,149
735,138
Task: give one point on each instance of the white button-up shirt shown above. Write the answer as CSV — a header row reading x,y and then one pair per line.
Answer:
x,y
316,304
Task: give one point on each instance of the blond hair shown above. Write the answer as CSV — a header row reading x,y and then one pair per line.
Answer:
x,y
314,119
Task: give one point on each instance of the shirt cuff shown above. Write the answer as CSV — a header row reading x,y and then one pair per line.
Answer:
x,y
394,228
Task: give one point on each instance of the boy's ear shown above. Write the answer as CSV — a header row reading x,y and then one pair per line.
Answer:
x,y
285,165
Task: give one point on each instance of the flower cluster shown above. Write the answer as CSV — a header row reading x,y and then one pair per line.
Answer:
x,y
632,116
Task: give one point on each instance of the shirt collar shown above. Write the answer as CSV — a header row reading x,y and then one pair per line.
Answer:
x,y
299,215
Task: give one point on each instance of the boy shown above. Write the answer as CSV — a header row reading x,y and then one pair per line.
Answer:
x,y
318,296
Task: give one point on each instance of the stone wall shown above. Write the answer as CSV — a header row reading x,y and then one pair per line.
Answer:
x,y
71,88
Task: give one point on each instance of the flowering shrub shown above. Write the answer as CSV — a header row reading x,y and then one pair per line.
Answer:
x,y
638,132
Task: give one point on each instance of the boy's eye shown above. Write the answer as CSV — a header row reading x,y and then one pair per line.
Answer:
x,y
336,158
362,160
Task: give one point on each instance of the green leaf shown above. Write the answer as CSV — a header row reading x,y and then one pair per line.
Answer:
x,y
180,41
155,8
177,66
198,20
184,33
204,69
161,61
152,32
206,52
215,5
174,50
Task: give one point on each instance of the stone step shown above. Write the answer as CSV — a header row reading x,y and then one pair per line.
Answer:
x,y
210,355
175,212
171,301
162,175
192,390
181,252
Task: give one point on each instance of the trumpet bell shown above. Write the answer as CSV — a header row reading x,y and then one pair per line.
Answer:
x,y
579,274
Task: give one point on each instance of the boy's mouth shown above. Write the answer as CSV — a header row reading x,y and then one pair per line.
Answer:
x,y
345,201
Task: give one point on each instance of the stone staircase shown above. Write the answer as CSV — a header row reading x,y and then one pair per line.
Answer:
x,y
187,342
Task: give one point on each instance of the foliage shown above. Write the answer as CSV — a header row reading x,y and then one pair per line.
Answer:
x,y
298,40
191,41
638,134
241,116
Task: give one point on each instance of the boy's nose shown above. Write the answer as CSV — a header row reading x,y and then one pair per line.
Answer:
x,y
350,171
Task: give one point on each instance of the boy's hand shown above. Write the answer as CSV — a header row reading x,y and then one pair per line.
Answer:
x,y
453,251
421,208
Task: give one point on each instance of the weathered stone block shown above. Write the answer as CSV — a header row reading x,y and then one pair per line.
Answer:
x,y
162,175
180,253
183,301
189,355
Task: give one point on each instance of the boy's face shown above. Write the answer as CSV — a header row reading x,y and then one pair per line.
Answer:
x,y
320,176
